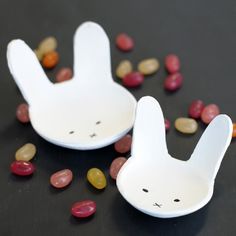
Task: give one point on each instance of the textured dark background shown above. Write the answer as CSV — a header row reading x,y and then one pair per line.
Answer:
x,y
202,33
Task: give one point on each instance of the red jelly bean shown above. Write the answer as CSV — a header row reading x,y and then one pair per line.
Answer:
x,y
124,144
22,113
167,124
195,109
173,82
172,63
209,113
124,42
64,74
22,168
133,79
83,209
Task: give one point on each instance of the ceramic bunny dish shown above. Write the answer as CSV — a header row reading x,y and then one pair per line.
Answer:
x,y
160,185
87,112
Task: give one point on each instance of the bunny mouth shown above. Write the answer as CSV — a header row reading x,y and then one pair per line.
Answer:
x,y
158,205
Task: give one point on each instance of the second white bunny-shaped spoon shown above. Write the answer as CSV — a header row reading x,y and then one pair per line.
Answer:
x,y
160,185
89,111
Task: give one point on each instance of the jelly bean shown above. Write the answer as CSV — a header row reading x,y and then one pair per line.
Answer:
x,y
125,67
148,66
186,125
39,54
47,45
133,79
172,63
22,168
22,113
209,113
195,109
26,152
96,178
50,60
167,124
124,144
234,130
124,42
61,178
83,209
173,82
63,74
116,165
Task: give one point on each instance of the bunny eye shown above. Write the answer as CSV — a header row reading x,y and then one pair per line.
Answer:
x,y
176,200
92,135
145,190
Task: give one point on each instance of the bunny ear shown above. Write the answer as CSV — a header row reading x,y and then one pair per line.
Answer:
x,y
26,70
210,150
149,138
91,54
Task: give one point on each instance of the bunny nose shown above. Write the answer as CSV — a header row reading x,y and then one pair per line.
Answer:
x,y
158,205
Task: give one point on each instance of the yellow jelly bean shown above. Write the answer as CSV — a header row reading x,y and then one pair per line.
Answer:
x,y
47,45
148,66
96,178
39,54
186,125
26,152
124,68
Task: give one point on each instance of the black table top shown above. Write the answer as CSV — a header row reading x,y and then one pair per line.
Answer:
x,y
201,33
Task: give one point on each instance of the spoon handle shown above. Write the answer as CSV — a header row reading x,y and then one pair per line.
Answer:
x,y
26,71
210,150
92,62
149,137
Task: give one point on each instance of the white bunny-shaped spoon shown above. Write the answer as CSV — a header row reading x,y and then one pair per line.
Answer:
x,y
160,185
89,111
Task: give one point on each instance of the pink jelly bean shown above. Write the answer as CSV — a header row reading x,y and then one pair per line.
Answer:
x,y
209,113
133,79
124,42
172,63
173,82
195,109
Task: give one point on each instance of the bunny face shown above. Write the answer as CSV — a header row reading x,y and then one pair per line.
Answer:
x,y
158,193
87,112
160,185
80,118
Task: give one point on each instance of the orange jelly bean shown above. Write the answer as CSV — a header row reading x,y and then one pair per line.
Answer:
x,y
234,130
50,60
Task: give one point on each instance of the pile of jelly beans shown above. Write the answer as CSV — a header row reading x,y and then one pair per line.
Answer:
x,y
22,165
148,66
62,178
196,111
130,78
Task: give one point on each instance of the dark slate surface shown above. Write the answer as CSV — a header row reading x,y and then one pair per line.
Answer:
x,y
202,33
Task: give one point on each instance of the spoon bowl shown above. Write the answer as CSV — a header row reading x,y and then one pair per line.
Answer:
x,y
161,186
87,112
